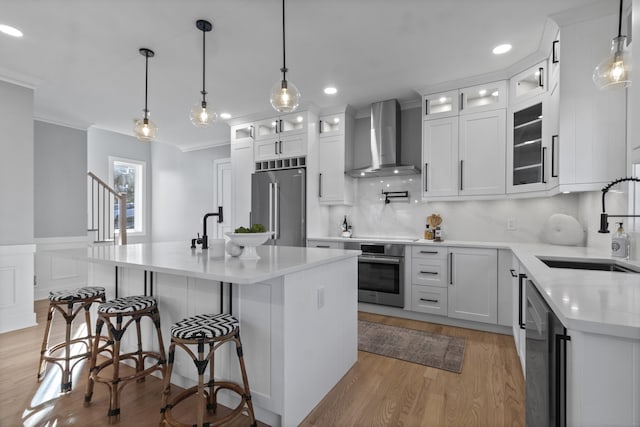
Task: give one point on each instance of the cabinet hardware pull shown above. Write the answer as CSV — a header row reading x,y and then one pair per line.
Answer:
x,y
554,142
544,157
280,127
451,269
428,300
461,101
461,176
280,146
251,132
513,273
561,378
429,252
319,185
554,50
540,82
521,278
426,177
426,107
429,272
276,148
320,126
323,246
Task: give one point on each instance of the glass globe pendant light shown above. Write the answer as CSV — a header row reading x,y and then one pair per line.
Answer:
x,y
200,115
144,129
615,69
285,96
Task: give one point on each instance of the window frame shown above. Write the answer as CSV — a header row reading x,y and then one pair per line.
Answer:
x,y
140,193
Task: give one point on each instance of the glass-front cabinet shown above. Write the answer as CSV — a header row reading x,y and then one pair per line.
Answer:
x,y
528,162
529,83
439,105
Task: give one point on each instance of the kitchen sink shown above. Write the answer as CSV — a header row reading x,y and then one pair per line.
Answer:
x,y
589,264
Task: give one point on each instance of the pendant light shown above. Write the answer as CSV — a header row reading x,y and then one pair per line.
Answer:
x,y
285,96
144,129
615,70
200,115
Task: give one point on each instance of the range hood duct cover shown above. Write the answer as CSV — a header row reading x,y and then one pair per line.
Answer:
x,y
384,153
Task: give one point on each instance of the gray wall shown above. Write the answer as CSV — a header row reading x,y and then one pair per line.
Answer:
x,y
16,164
182,190
101,144
60,181
410,139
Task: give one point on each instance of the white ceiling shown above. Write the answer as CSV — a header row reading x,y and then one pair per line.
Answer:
x,y
81,56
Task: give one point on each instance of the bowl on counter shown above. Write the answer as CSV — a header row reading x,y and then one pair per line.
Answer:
x,y
249,241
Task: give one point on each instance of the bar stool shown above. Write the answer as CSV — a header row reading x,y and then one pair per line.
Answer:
x,y
68,303
135,308
214,330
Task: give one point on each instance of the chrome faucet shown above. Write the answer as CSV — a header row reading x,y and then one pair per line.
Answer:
x,y
204,240
604,224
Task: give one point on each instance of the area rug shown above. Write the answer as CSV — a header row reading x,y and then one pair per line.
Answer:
x,y
411,345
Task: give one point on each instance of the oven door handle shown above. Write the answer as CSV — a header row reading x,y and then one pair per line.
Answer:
x,y
378,260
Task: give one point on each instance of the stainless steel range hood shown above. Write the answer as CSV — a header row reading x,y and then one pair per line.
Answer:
x,y
384,152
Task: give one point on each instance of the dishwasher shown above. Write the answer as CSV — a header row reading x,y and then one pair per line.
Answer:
x,y
546,363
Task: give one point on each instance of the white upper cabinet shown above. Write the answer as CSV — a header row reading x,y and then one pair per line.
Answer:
x,y
553,68
334,154
481,152
439,105
529,83
281,137
592,121
440,157
485,97
242,133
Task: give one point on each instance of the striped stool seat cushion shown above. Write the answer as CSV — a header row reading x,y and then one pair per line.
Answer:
x,y
126,304
76,294
204,326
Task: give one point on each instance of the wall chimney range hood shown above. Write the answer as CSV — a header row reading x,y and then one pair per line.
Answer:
x,y
384,152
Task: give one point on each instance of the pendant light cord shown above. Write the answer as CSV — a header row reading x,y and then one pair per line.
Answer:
x,y
619,20
146,82
284,50
204,92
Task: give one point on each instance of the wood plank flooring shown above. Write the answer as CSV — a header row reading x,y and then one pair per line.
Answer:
x,y
377,391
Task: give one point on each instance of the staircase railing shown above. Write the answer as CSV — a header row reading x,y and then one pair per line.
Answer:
x,y
103,198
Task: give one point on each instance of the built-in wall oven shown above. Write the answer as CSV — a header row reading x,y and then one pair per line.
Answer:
x,y
546,363
380,273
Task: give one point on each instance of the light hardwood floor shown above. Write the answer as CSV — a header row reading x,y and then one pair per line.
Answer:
x,y
377,391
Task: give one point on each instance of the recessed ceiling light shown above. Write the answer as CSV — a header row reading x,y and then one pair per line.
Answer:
x,y
495,93
10,31
500,49
482,92
443,99
225,116
362,173
299,119
330,90
336,120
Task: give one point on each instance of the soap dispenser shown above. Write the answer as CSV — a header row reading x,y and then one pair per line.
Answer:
x,y
620,243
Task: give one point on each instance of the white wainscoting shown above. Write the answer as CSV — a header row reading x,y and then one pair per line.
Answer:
x,y
16,287
57,273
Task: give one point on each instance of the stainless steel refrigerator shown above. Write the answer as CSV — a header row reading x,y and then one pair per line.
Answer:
x,y
278,201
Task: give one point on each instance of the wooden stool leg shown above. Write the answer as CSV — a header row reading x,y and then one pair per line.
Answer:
x,y
45,344
166,388
201,364
212,404
92,365
65,385
114,386
155,316
245,381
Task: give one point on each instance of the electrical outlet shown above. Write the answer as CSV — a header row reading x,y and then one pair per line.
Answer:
x,y
511,224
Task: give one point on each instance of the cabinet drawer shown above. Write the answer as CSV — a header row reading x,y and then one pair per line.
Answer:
x,y
429,299
429,252
324,244
432,272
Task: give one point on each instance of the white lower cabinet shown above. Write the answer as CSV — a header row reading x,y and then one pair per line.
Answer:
x,y
473,284
518,277
429,299
324,244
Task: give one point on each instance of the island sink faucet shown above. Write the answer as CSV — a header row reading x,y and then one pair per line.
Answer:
x,y
204,240
604,224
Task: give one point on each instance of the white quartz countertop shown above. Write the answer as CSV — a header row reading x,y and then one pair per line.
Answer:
x,y
177,258
585,300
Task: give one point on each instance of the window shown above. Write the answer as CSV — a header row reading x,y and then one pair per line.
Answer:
x,y
127,176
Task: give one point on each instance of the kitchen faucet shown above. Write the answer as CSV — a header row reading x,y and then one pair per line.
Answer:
x,y
604,224
204,240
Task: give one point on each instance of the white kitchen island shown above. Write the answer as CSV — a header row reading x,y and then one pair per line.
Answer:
x,y
297,309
